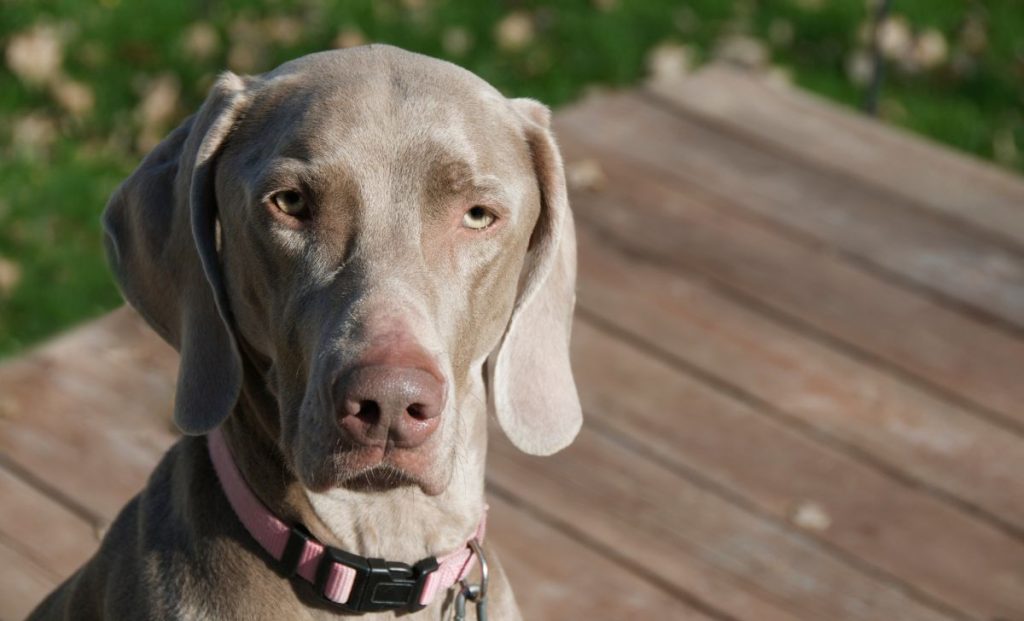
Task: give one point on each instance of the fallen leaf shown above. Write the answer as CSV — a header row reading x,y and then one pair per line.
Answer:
x,y
810,515
585,174
894,39
158,106
456,41
742,50
248,45
33,133
349,37
931,49
859,67
200,41
10,276
282,29
75,97
36,55
160,100
514,32
669,61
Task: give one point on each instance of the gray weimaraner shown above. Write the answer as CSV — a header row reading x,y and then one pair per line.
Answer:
x,y
358,255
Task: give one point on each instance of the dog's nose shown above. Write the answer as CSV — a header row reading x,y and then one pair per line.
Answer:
x,y
387,402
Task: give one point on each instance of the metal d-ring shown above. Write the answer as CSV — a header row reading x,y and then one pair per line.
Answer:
x,y
485,575
476,593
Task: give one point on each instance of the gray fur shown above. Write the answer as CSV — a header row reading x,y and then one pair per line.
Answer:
x,y
391,149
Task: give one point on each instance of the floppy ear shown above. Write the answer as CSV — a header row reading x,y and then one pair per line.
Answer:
x,y
533,393
161,244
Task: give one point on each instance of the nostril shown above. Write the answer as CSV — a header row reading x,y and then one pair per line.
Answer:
x,y
417,411
369,411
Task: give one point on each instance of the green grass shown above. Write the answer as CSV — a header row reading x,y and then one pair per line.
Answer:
x,y
51,194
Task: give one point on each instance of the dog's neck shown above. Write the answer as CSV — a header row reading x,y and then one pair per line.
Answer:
x,y
400,524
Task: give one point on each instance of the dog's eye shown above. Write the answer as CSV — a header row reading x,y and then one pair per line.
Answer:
x,y
290,202
478,218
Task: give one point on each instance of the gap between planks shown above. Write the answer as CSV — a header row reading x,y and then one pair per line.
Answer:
x,y
624,561
973,396
784,116
879,269
704,546
724,446
876,457
751,400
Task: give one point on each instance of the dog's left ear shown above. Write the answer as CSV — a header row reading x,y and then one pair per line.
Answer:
x,y
532,390
161,243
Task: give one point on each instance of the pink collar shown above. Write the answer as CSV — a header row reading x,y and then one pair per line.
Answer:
x,y
348,581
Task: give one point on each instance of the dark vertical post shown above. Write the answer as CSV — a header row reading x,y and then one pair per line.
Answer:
x,y
877,61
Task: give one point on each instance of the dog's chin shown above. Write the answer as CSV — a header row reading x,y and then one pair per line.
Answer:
x,y
376,470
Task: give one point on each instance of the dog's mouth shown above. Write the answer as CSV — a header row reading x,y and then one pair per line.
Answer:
x,y
379,478
378,469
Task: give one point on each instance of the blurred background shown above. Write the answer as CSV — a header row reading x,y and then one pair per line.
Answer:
x,y
798,337
88,87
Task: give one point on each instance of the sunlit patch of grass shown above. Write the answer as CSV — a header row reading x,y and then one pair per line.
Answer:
x,y
51,193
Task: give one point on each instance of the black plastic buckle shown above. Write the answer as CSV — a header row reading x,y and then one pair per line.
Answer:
x,y
379,585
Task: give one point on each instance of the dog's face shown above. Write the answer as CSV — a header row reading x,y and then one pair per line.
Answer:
x,y
374,222
367,228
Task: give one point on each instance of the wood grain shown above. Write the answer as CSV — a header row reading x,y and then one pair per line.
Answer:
x,y
54,538
799,346
801,381
827,135
756,462
23,584
728,558
681,226
87,413
556,577
864,221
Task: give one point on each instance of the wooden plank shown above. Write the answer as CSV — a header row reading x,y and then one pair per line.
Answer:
x,y
780,473
828,135
140,403
55,539
556,577
865,222
678,224
745,566
896,427
22,584
87,413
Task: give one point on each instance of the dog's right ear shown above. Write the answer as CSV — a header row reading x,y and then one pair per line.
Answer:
x,y
161,243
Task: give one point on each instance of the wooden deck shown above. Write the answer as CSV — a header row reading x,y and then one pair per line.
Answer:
x,y
800,346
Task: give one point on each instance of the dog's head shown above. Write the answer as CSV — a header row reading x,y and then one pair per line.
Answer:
x,y
377,239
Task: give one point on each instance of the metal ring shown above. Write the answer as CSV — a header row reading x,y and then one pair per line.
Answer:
x,y
484,572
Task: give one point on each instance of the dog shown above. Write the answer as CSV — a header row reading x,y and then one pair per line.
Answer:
x,y
360,255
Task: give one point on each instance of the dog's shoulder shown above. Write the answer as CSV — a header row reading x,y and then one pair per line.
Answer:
x,y
145,563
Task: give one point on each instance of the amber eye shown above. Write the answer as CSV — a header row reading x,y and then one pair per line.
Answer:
x,y
291,203
478,218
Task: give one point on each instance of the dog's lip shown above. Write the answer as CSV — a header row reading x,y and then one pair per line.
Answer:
x,y
379,477
397,465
